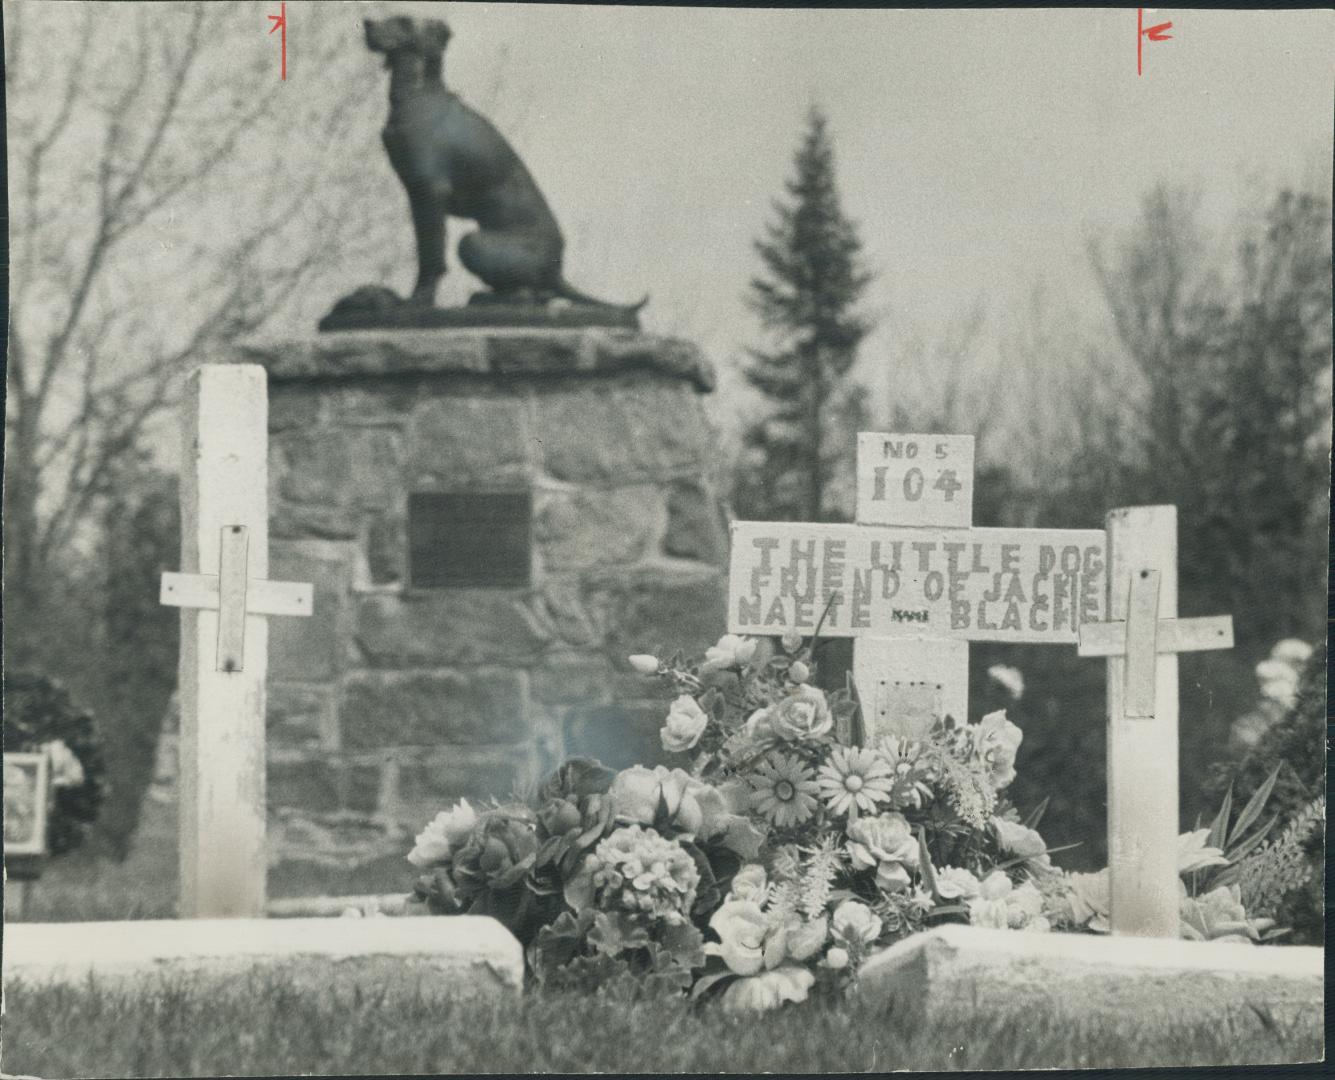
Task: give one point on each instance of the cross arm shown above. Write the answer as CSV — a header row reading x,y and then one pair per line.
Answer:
x,y
1174,636
262,597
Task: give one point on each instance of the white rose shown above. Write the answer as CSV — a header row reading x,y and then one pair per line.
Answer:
x,y
446,831
954,883
686,722
741,927
997,740
732,650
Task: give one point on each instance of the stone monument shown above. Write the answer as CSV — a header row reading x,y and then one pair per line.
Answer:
x,y
496,504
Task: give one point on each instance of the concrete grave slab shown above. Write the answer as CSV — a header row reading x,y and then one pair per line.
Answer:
x,y
441,956
932,974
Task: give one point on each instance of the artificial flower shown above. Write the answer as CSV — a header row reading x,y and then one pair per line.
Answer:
x,y
767,990
692,805
638,870
885,842
1024,908
996,740
558,817
758,728
791,641
644,663
991,906
499,850
854,925
836,958
576,777
956,883
66,769
1220,916
854,780
798,672
741,927
806,937
749,883
442,834
1017,839
912,771
686,722
800,715
1090,896
1193,854
635,794
731,650
784,790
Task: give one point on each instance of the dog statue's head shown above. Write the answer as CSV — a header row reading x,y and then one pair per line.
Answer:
x,y
399,33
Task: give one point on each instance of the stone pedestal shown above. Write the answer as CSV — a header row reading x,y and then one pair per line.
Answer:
x,y
395,698
927,978
459,956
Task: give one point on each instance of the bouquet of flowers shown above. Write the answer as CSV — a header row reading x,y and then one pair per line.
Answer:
x,y
781,854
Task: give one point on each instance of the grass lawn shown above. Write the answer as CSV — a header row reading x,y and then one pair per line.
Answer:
x,y
264,1025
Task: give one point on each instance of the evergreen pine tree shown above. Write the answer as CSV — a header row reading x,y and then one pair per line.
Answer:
x,y
798,456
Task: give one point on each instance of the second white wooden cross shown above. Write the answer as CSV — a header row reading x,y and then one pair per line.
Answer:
x,y
224,639
1141,641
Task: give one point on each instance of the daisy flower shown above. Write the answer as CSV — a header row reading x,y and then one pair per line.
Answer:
x,y
854,780
783,790
911,773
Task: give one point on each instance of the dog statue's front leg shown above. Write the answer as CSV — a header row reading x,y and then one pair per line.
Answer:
x,y
428,207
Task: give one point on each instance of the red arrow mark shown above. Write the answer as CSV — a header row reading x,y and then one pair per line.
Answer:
x,y
280,23
1158,32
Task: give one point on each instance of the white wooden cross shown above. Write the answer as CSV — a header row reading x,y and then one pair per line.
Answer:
x,y
1141,641
224,640
913,581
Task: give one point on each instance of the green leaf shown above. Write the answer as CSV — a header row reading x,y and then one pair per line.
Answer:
x,y
925,863
685,944
1254,806
551,850
1243,847
1025,858
704,982
1219,827
743,837
1036,815
615,932
557,944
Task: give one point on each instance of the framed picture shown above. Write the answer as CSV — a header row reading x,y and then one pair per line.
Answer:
x,y
27,798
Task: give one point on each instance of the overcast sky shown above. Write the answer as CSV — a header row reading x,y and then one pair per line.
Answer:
x,y
977,149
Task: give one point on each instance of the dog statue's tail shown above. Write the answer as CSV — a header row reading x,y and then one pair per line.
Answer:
x,y
568,292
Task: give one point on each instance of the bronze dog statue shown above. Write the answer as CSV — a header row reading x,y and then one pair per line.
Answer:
x,y
455,163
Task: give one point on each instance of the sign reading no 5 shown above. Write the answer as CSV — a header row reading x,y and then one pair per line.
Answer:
x,y
915,479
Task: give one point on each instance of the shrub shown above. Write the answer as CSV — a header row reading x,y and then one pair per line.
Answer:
x,y
39,710
1295,743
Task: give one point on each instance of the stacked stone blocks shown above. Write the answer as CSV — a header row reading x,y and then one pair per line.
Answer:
x,y
394,700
